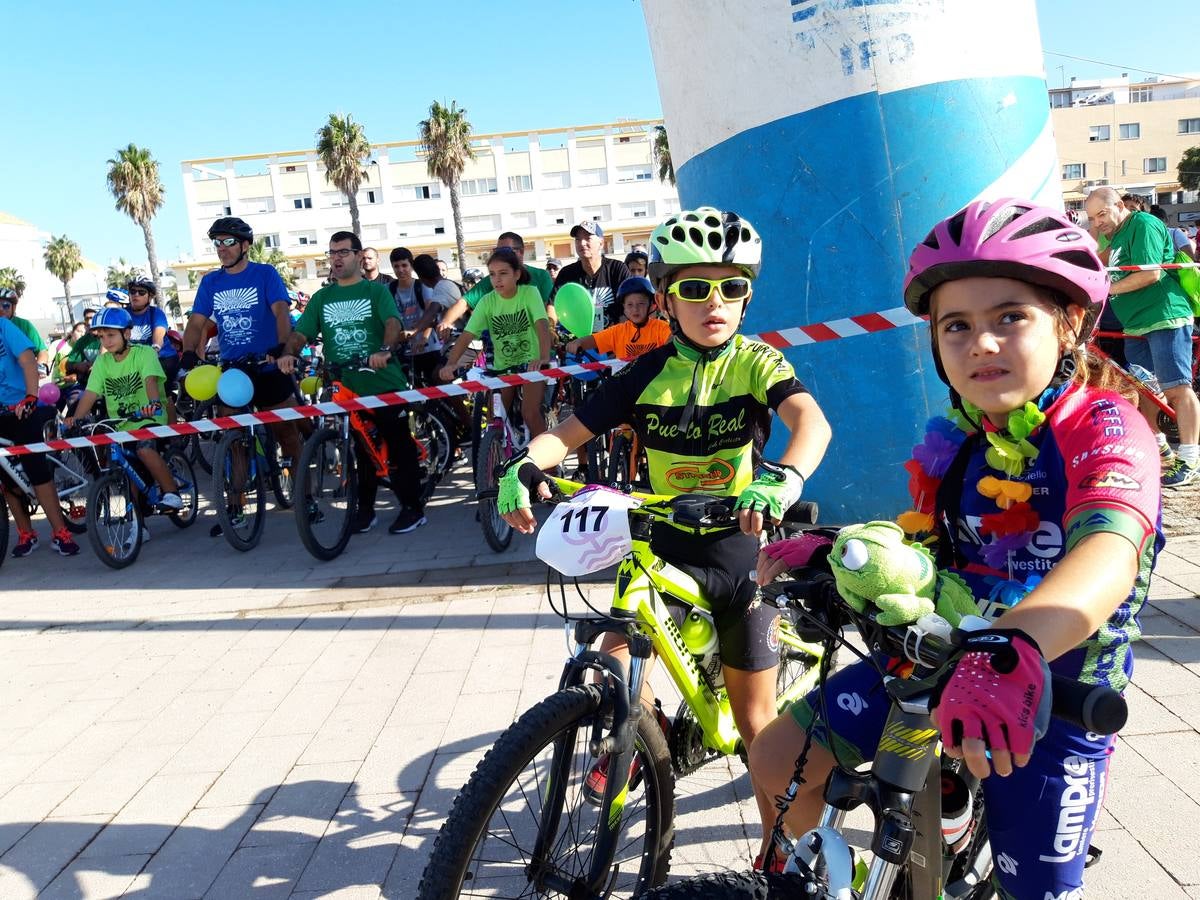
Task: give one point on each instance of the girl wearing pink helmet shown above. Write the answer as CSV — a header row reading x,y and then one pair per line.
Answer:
x,y
1041,489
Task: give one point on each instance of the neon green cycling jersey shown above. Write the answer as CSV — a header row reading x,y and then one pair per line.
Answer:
x,y
728,416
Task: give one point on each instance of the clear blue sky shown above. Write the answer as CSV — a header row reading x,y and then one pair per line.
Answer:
x,y
191,80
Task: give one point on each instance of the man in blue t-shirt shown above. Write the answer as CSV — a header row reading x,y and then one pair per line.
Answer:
x,y
249,303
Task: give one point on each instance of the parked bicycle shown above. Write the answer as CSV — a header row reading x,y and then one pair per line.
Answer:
x,y
327,471
244,461
73,472
1146,384
930,826
123,495
524,825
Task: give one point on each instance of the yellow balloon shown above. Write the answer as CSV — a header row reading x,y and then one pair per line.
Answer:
x,y
201,382
310,384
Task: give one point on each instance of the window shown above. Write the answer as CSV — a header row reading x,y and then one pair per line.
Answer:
x,y
560,216
639,209
372,196
1123,171
602,213
523,219
304,238
626,174
291,168
555,180
591,177
1130,131
1154,164
1060,99
430,191
470,187
228,210
476,224
1074,204
518,183
1140,95
1105,172
374,232
1074,171
302,202
270,241
1099,132
1189,126
419,228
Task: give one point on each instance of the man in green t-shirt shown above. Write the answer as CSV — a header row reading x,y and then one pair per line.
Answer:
x,y
8,310
1153,307
356,321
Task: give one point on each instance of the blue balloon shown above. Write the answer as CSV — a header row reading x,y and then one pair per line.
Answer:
x,y
235,388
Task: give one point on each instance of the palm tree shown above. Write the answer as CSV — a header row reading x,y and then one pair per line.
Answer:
x,y
343,147
1189,169
11,278
273,257
63,261
133,180
446,141
120,273
660,150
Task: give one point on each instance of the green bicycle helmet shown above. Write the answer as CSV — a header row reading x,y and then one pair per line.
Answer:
x,y
705,236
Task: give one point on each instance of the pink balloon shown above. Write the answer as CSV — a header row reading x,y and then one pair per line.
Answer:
x,y
49,393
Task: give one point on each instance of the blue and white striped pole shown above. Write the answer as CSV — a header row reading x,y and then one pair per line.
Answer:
x,y
844,129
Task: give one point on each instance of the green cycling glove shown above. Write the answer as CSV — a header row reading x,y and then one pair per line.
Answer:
x,y
518,478
773,492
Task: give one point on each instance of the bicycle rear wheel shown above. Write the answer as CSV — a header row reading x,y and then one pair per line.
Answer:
x,y
734,886
114,523
433,439
282,477
496,531
185,480
327,494
799,664
485,846
239,490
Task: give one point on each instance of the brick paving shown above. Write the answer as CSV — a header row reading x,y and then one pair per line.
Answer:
x,y
215,724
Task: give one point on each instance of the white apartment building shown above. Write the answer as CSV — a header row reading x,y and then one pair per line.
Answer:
x,y
1129,135
537,183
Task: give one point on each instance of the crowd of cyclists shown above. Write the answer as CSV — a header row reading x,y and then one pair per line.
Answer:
x,y
1013,292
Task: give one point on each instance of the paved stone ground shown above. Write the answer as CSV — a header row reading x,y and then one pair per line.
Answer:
x,y
215,724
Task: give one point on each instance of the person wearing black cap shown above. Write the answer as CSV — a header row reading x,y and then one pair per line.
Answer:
x,y
600,274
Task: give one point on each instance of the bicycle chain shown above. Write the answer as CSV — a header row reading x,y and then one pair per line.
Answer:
x,y
686,743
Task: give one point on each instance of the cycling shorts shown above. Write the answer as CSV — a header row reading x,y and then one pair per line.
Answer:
x,y
271,387
29,431
1040,819
747,630
170,367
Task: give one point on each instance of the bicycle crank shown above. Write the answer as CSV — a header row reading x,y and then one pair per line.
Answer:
x,y
686,743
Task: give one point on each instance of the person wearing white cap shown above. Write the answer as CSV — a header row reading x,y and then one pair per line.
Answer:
x,y
600,274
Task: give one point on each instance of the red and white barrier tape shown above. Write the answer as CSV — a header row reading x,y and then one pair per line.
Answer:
x,y
1154,268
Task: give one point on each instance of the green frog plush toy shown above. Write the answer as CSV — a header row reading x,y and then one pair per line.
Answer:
x,y
873,565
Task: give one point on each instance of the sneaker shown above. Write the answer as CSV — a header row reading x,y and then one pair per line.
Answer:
x,y
27,542
1166,456
64,543
408,520
315,515
777,864
1180,474
170,500
363,523
597,779
237,518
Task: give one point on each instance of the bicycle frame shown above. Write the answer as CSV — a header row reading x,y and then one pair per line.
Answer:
x,y
376,450
19,478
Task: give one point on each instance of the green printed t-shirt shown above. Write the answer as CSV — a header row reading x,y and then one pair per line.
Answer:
x,y
30,332
1143,240
86,349
732,398
122,383
512,323
349,320
539,278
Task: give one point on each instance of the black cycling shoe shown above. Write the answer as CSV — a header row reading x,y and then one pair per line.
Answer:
x,y
363,523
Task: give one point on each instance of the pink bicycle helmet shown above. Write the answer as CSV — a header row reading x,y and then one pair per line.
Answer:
x,y
1010,238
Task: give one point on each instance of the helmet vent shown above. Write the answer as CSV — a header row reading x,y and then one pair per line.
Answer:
x,y
712,221
714,240
691,217
1080,258
678,233
1001,220
696,236
662,239
746,235
1041,226
954,225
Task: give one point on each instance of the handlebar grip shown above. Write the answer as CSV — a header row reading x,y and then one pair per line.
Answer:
x,y
802,512
1094,707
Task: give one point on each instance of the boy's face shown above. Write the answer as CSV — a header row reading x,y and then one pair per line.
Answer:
x,y
637,267
637,308
711,322
111,339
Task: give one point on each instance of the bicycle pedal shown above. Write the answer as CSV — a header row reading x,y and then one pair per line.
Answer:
x,y
1093,856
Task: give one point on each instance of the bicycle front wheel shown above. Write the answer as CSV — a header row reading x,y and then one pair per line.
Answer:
x,y
72,478
486,846
327,494
496,531
734,886
185,480
114,524
239,491
799,665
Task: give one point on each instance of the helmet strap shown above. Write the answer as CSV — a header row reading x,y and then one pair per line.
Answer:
x,y
237,262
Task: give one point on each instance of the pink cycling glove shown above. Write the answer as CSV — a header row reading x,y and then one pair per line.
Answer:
x,y
797,551
998,692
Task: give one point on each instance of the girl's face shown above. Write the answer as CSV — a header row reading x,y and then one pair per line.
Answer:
x,y
77,332
711,322
504,278
999,341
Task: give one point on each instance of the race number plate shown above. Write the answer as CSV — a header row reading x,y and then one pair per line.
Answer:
x,y
589,533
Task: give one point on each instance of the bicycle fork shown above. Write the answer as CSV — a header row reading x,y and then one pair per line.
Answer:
x,y
622,695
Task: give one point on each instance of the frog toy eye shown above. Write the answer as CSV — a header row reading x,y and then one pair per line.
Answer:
x,y
854,554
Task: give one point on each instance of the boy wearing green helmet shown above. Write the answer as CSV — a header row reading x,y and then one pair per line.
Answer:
x,y
701,406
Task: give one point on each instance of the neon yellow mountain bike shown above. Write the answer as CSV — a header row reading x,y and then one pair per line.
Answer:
x,y
524,825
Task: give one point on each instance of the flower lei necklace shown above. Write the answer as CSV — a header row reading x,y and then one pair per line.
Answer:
x,y
1009,452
